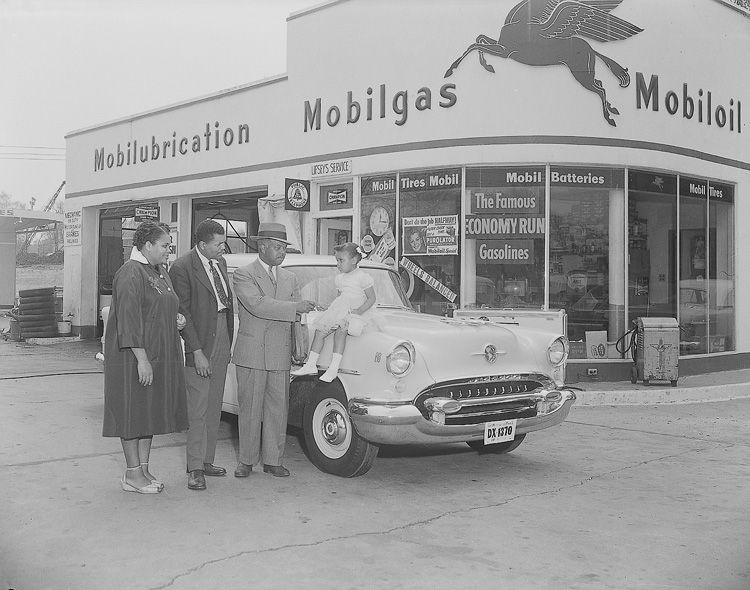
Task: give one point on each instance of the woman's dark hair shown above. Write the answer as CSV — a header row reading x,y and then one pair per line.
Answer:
x,y
351,249
148,231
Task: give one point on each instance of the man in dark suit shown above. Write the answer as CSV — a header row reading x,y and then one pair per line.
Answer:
x,y
268,302
201,282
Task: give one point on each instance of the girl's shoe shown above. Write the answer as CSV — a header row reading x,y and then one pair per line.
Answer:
x,y
306,369
333,368
329,375
151,488
154,481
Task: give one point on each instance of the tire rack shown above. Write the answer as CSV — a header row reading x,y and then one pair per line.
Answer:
x,y
36,313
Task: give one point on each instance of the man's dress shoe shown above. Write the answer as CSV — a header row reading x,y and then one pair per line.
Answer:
x,y
196,480
213,470
276,470
243,470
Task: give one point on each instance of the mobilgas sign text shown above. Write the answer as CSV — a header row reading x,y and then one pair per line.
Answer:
x,y
699,105
171,147
368,106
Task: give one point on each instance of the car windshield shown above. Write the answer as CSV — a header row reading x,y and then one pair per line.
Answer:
x,y
317,284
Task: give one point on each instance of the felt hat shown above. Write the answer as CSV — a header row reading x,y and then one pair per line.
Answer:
x,y
272,231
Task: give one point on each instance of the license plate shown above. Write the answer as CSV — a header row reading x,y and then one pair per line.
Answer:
x,y
500,431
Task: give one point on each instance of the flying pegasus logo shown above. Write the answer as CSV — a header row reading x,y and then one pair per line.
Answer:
x,y
548,33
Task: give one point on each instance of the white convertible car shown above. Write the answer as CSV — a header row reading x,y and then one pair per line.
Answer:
x,y
417,378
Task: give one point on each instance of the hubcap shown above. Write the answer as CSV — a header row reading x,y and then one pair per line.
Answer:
x,y
331,429
334,427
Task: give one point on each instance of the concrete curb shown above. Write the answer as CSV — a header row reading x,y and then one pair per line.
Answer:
x,y
50,341
51,374
663,395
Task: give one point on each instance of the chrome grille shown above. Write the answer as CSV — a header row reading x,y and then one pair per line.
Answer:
x,y
486,387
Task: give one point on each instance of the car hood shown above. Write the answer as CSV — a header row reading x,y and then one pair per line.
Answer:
x,y
453,348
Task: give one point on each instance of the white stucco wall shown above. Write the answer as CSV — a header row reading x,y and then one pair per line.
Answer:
x,y
518,115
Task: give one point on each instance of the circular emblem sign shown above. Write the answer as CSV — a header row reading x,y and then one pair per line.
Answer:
x,y
297,195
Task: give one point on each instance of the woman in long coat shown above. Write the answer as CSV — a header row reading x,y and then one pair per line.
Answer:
x,y
144,389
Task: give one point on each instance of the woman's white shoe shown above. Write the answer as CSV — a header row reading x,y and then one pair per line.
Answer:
x,y
151,488
150,477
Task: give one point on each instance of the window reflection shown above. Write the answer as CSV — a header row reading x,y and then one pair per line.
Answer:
x,y
652,221
585,266
505,236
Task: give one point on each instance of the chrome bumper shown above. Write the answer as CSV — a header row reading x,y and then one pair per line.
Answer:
x,y
399,424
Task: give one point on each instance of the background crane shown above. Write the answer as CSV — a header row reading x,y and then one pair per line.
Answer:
x,y
33,231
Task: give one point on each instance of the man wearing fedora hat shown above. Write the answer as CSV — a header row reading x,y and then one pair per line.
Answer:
x,y
269,303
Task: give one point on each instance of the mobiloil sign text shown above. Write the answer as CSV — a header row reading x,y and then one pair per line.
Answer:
x,y
366,107
691,104
171,147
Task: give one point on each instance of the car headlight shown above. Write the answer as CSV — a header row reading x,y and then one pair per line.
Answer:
x,y
557,352
401,359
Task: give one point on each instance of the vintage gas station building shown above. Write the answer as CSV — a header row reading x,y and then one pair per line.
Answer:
x,y
597,163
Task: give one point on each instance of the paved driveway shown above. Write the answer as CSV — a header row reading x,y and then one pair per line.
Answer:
x,y
617,497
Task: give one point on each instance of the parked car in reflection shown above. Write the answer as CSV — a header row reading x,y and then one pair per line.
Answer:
x,y
706,315
415,378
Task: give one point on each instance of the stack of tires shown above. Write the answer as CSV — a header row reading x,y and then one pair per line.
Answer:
x,y
36,313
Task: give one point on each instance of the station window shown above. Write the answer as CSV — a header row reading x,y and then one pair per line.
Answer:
x,y
505,236
706,266
586,258
378,218
238,214
429,236
652,225
720,256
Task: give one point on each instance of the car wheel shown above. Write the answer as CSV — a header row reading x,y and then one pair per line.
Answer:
x,y
332,443
497,448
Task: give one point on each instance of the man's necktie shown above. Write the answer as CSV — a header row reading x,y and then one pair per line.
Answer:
x,y
223,299
270,274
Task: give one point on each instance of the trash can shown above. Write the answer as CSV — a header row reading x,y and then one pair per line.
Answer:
x,y
657,350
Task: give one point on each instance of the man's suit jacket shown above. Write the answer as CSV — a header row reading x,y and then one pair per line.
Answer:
x,y
267,312
198,303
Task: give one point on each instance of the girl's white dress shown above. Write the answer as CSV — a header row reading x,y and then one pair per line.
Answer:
x,y
351,286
